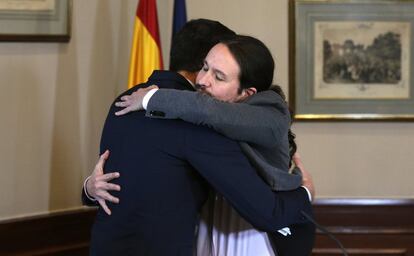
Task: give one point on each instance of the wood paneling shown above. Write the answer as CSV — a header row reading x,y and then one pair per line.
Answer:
x,y
65,233
366,227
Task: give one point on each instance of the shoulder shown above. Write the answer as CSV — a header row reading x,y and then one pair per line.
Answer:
x,y
270,100
269,97
202,137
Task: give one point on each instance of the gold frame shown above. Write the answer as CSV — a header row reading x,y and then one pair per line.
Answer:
x,y
300,96
63,16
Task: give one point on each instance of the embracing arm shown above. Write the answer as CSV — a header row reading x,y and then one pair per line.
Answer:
x,y
223,165
262,120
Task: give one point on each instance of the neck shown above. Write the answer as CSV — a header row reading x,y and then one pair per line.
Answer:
x,y
190,76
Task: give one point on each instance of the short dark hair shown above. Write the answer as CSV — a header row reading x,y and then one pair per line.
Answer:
x,y
254,59
192,43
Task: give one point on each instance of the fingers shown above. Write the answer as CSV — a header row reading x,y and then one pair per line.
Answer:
x,y
110,186
296,157
123,103
101,187
102,194
102,203
307,180
297,160
99,181
132,102
111,198
126,97
101,162
98,184
123,111
105,155
126,101
108,176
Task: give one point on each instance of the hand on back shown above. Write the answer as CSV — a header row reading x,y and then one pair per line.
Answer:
x,y
98,184
307,180
133,102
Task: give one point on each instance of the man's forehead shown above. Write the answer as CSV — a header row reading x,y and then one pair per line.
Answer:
x,y
221,60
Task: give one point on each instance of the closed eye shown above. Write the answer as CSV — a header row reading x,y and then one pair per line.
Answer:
x,y
218,77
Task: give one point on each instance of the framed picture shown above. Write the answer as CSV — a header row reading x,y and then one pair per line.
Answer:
x,y
35,20
351,60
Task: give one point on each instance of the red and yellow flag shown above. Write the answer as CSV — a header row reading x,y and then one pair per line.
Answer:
x,y
146,48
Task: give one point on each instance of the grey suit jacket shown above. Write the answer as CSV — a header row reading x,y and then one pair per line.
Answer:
x,y
260,124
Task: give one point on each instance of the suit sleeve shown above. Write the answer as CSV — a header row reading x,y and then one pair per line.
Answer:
x,y
221,162
263,122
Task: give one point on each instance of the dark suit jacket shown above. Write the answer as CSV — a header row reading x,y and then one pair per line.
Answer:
x,y
164,165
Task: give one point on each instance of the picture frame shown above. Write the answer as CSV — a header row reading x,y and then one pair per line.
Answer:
x,y
351,60
35,21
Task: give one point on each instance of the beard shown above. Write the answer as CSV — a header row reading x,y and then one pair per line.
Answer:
x,y
201,89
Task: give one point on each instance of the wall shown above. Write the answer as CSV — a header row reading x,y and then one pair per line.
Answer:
x,y
346,159
53,103
55,97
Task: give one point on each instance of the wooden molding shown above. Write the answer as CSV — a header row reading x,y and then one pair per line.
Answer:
x,y
368,227
63,233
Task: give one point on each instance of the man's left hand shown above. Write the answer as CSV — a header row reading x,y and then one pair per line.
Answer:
x,y
307,180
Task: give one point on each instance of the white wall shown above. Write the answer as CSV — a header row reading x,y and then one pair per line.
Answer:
x,y
54,98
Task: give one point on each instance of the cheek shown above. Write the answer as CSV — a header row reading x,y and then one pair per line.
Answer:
x,y
232,92
226,94
215,92
223,91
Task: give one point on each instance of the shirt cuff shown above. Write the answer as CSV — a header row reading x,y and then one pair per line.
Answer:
x,y
309,194
285,231
85,190
147,97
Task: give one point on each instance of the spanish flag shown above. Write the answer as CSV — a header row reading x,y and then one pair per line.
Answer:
x,y
146,48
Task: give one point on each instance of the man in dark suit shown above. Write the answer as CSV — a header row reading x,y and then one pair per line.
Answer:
x,y
163,181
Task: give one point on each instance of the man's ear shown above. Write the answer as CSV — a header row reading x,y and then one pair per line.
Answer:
x,y
249,91
246,93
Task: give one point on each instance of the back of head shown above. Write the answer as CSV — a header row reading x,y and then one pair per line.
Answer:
x,y
255,61
192,43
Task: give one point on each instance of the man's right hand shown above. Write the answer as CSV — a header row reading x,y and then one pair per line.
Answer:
x,y
98,184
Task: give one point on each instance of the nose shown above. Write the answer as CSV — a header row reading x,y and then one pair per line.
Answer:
x,y
204,79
